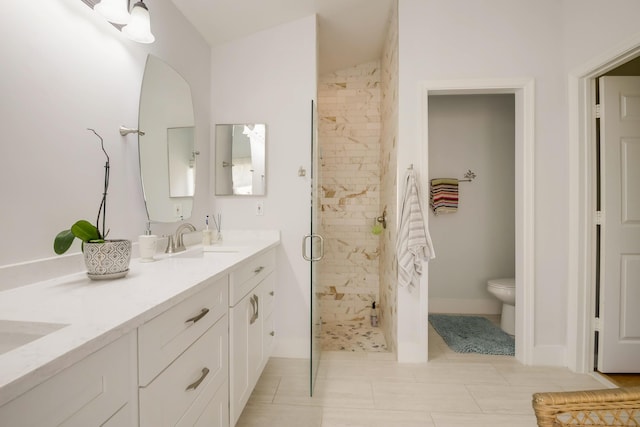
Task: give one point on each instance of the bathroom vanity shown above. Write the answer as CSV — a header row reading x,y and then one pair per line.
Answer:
x,y
178,342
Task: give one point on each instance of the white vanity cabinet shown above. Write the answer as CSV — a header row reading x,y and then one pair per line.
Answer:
x,y
183,362
100,390
177,343
251,291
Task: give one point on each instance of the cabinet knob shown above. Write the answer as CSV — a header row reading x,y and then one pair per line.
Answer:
x,y
272,293
272,333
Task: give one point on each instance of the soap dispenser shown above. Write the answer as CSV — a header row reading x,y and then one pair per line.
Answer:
x,y
207,235
147,245
374,315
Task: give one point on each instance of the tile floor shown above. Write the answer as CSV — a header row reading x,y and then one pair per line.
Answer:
x,y
364,389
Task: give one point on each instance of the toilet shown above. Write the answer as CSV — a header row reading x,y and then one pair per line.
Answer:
x,y
505,291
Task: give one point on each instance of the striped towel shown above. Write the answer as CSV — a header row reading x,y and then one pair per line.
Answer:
x,y
444,195
414,243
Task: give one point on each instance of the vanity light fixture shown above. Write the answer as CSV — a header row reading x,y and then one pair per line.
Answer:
x,y
139,27
114,11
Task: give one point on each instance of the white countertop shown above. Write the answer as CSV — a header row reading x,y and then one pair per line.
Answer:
x,y
99,312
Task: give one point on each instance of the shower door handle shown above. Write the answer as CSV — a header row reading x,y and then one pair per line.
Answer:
x,y
304,247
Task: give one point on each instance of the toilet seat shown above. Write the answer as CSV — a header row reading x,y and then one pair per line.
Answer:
x,y
507,283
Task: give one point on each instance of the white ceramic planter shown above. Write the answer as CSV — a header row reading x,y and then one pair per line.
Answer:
x,y
108,260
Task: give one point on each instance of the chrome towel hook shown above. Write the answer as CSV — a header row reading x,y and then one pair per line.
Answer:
x,y
383,219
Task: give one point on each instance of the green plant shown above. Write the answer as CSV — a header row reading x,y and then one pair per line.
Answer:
x,y
83,229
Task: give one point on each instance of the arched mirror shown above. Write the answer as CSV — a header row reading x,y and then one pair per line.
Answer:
x,y
167,148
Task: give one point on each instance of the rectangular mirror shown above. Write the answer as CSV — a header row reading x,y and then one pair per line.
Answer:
x,y
240,159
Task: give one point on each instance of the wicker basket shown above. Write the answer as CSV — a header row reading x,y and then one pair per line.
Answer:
x,y
608,407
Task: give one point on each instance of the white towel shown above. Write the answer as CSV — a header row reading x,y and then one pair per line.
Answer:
x,y
414,243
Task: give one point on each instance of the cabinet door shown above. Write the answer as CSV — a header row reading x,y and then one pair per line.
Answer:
x,y
215,414
88,393
266,292
245,342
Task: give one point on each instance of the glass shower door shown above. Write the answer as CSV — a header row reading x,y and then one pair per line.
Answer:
x,y
314,245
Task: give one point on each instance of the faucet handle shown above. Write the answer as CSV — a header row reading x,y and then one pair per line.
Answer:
x,y
170,245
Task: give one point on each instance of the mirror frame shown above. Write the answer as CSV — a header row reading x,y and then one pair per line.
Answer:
x,y
228,171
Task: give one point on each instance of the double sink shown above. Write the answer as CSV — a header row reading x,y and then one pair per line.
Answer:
x,y
15,334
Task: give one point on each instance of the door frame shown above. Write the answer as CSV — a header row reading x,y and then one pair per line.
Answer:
x,y
524,91
582,176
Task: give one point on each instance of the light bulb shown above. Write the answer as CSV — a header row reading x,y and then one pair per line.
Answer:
x,y
114,11
139,28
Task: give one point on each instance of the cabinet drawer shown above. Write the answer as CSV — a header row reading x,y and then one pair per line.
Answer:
x,y
249,274
86,394
183,389
166,336
123,417
212,412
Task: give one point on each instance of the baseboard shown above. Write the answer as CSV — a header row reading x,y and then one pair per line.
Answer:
x,y
411,352
291,349
549,355
464,306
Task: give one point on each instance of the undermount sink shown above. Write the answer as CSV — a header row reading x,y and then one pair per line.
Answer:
x,y
14,334
222,248
191,253
199,252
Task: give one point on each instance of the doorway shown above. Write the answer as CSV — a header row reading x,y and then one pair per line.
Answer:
x,y
472,135
523,91
584,182
617,250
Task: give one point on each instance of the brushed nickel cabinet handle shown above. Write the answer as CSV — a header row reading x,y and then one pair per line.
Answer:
x,y
254,309
194,385
272,333
272,293
258,270
197,317
257,306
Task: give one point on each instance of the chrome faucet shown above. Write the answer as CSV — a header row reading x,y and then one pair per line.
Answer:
x,y
178,240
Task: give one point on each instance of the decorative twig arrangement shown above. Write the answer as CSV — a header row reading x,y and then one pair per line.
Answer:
x,y
83,229
218,223
102,210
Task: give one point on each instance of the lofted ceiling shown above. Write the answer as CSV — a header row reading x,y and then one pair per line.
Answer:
x,y
350,32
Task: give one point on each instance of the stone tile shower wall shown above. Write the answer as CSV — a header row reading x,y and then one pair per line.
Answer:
x,y
388,182
349,141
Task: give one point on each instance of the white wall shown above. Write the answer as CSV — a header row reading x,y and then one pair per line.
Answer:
x,y
65,69
586,50
477,242
271,77
457,39
593,27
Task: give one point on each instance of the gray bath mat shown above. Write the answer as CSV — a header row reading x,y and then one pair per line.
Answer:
x,y
472,334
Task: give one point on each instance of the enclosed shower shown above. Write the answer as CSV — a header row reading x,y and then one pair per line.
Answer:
x,y
351,212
